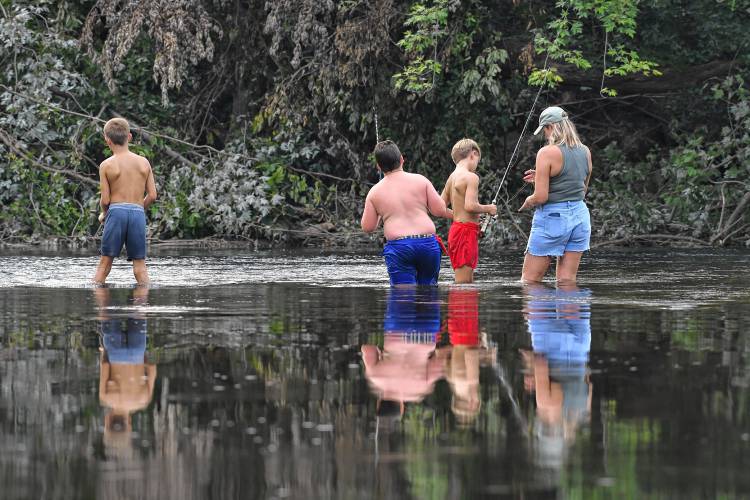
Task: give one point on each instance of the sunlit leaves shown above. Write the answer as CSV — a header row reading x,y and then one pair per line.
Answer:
x,y
615,19
427,24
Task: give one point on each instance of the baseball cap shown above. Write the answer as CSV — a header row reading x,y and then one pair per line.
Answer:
x,y
553,114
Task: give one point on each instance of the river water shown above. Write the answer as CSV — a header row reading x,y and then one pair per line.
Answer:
x,y
303,375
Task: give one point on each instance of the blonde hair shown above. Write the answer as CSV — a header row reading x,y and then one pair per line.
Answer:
x,y
564,133
463,148
117,131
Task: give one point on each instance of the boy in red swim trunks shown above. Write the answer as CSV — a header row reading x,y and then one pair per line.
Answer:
x,y
461,193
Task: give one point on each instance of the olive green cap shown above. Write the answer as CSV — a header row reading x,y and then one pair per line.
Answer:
x,y
553,114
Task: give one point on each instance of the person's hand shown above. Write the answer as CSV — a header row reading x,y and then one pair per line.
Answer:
x,y
101,218
492,210
529,176
528,203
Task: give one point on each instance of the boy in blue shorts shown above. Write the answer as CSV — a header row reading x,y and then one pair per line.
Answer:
x,y
404,202
124,177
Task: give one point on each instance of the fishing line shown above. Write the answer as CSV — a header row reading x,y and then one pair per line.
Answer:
x,y
515,149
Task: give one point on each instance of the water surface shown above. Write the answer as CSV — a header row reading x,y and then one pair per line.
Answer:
x,y
302,375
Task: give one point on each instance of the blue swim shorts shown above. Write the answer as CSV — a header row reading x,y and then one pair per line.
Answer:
x,y
414,260
125,224
125,347
560,227
414,313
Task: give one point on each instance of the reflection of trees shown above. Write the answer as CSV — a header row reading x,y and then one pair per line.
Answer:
x,y
686,401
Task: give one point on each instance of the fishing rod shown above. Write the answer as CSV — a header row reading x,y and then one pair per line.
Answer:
x,y
488,219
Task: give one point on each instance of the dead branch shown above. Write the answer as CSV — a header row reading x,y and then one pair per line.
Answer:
x,y
10,143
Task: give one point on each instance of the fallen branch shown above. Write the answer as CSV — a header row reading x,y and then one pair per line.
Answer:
x,y
733,219
146,132
8,141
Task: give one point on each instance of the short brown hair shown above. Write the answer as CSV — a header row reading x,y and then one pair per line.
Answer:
x,y
463,148
387,155
117,131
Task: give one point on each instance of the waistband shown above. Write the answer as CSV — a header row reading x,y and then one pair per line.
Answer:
x,y
126,206
472,225
562,205
413,237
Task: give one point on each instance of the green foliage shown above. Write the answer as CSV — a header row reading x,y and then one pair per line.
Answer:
x,y
274,133
426,23
617,18
36,201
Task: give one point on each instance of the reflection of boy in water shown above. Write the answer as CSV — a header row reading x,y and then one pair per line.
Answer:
x,y
467,351
559,324
408,366
126,381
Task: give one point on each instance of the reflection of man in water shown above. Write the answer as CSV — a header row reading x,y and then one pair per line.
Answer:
x,y
468,349
408,366
126,381
559,324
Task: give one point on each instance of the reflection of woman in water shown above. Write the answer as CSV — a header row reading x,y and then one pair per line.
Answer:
x,y
407,367
126,381
559,324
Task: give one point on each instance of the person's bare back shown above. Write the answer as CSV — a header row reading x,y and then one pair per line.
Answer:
x,y
459,182
404,201
128,176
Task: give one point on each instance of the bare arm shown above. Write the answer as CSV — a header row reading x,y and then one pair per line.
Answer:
x,y
150,188
151,379
104,197
471,198
446,194
591,169
541,179
370,218
103,378
436,203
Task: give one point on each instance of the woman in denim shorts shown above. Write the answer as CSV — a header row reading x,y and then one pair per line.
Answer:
x,y
562,226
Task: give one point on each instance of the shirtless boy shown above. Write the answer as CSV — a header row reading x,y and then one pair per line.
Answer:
x,y
461,193
123,179
404,202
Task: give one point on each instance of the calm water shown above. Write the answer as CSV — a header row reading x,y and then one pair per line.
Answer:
x,y
302,375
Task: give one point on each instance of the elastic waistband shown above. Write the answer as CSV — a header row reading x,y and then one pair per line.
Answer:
x,y
413,237
126,206
473,225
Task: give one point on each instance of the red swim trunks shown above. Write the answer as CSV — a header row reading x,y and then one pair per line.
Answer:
x,y
463,317
463,244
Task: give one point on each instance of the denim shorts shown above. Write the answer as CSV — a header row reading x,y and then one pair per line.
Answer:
x,y
124,347
125,225
414,261
560,227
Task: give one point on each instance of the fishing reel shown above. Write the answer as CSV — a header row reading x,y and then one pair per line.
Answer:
x,y
485,223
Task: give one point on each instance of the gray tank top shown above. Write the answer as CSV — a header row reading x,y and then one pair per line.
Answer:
x,y
570,183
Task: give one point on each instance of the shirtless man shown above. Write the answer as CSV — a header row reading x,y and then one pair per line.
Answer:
x,y
123,179
461,193
404,202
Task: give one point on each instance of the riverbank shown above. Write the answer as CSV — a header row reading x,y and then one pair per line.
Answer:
x,y
349,241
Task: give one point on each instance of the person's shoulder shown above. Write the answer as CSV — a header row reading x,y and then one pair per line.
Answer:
x,y
414,177
142,160
466,175
550,151
375,188
105,163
